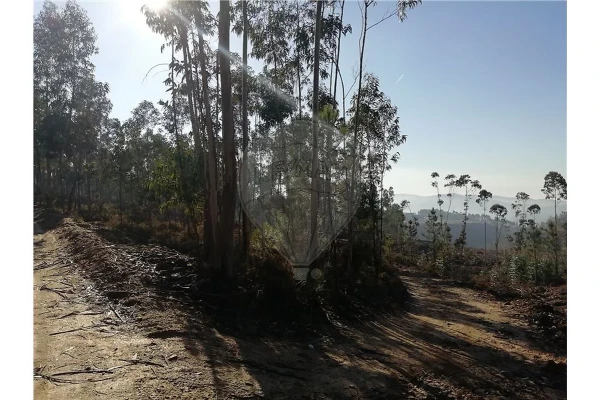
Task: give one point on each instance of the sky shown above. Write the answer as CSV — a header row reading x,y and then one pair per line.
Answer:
x,y
482,88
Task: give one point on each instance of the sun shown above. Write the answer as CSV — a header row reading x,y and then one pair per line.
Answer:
x,y
156,5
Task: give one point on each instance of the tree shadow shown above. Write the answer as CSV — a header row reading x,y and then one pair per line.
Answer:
x,y
447,306
393,356
45,220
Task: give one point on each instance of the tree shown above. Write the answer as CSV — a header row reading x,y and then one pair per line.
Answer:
x,y
442,227
534,235
499,212
520,209
411,228
402,6
228,202
464,181
314,196
213,242
70,106
431,233
555,188
246,221
482,200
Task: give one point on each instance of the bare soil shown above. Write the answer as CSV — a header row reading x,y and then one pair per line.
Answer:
x,y
123,321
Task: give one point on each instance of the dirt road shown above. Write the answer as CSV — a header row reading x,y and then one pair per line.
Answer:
x,y
92,342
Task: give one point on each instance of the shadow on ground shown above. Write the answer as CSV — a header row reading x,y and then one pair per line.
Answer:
x,y
383,356
46,220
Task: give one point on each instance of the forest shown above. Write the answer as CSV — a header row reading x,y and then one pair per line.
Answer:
x,y
246,178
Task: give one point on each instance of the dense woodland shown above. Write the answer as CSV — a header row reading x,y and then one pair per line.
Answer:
x,y
170,173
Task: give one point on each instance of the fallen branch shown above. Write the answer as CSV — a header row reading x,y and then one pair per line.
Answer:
x,y
69,331
60,380
116,313
58,292
68,315
83,371
81,313
44,265
77,329
144,362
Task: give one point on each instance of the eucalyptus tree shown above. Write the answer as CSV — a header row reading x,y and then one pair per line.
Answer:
x,y
534,236
440,202
380,125
229,178
246,221
432,232
470,186
314,196
499,212
451,185
69,104
412,226
402,7
555,188
345,30
520,209
482,199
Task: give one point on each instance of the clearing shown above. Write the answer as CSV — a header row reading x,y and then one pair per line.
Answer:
x,y
115,320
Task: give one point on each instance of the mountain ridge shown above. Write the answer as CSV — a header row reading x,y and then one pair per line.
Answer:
x,y
421,202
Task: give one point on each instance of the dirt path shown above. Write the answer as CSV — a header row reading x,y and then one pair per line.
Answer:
x,y
451,343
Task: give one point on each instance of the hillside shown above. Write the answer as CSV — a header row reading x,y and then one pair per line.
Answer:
x,y
426,202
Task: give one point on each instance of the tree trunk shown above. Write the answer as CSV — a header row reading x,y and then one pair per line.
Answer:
x,y
189,92
212,157
48,185
89,196
60,182
337,55
351,268
120,197
555,237
78,196
228,201
246,220
70,200
484,235
314,196
298,77
37,175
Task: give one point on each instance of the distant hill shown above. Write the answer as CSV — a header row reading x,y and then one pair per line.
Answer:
x,y
418,203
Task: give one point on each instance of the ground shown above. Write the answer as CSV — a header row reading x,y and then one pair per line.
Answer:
x,y
102,331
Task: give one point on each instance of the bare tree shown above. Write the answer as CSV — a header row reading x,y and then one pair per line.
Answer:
x,y
482,200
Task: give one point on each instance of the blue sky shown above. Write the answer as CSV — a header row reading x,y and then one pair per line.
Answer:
x,y
483,88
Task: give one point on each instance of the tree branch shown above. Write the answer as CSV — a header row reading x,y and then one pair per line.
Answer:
x,y
392,14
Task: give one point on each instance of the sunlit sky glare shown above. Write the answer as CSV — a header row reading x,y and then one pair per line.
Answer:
x,y
483,88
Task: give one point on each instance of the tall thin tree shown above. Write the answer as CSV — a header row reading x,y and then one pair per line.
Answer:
x,y
314,195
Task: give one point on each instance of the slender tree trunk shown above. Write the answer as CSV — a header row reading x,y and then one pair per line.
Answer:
x,y
299,63
49,191
314,196
120,196
89,196
60,182
380,227
245,221
351,268
212,157
337,55
497,235
555,237
189,92
484,235
228,211
37,175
